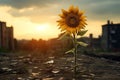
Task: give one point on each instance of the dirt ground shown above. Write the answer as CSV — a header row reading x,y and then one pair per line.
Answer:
x,y
27,67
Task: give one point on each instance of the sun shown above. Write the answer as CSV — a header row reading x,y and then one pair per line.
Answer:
x,y
42,27
45,31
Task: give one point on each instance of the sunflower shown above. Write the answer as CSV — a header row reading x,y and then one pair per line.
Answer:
x,y
72,21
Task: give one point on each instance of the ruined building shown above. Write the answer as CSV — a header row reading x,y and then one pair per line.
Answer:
x,y
109,40
6,37
111,36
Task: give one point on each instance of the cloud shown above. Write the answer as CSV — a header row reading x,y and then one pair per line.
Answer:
x,y
33,9
36,15
102,9
36,10
19,4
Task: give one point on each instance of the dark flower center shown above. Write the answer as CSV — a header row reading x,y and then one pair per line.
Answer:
x,y
72,20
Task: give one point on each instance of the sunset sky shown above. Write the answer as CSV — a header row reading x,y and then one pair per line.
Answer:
x,y
37,18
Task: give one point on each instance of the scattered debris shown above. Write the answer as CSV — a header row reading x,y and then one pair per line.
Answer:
x,y
24,67
55,71
49,62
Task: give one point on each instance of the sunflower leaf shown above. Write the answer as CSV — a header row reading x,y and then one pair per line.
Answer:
x,y
70,51
63,36
82,44
81,33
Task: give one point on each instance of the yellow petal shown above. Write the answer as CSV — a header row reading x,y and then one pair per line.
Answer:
x,y
80,13
58,21
83,17
76,10
81,24
61,24
64,12
71,30
63,29
61,20
71,9
61,15
78,28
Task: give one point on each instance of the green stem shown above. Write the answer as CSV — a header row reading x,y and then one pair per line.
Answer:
x,y
75,55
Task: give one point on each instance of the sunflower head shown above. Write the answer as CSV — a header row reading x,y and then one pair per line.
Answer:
x,y
72,21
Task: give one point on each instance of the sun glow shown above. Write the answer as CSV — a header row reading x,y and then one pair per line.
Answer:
x,y
45,31
42,27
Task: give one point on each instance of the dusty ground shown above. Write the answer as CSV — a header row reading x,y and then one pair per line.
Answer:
x,y
26,67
